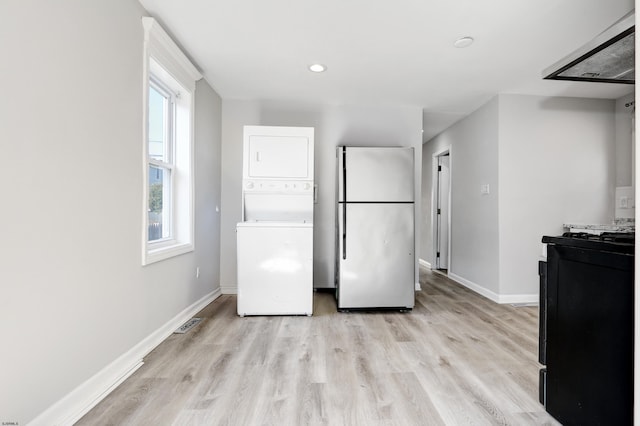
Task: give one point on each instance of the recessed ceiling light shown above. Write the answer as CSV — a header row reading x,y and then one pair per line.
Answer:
x,y
463,42
317,68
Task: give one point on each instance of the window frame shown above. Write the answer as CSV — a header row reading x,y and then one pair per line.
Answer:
x,y
168,69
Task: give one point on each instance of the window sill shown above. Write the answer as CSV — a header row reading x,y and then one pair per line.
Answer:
x,y
166,252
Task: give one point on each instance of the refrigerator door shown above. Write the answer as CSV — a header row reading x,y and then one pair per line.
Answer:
x,y
375,174
376,258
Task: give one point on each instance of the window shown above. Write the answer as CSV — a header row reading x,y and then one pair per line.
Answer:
x,y
169,82
160,156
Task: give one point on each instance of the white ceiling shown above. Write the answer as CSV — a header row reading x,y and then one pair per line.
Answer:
x,y
388,52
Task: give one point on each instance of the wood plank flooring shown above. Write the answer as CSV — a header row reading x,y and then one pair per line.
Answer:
x,y
456,359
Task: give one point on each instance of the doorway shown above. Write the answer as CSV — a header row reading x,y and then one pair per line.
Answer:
x,y
441,211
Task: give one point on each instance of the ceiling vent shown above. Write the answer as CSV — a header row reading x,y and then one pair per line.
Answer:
x,y
608,58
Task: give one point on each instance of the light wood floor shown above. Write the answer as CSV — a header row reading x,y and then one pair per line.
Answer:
x,y
456,359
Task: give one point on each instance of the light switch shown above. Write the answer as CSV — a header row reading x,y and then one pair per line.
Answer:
x,y
484,189
624,202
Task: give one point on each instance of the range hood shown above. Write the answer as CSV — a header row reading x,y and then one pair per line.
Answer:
x,y
608,58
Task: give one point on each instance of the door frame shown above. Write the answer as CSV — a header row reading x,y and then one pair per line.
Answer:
x,y
434,204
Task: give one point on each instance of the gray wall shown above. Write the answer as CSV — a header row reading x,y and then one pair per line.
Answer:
x,y
548,161
474,217
334,125
74,296
557,165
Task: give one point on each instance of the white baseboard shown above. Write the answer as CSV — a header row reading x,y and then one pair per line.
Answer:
x,y
424,263
498,298
227,289
78,402
475,287
520,299
418,287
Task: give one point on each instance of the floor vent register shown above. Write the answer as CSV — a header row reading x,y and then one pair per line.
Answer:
x,y
184,328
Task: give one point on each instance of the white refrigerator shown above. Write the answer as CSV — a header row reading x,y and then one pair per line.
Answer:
x,y
375,259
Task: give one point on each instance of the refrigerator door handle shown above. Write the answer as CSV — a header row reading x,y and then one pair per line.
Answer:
x,y
344,202
344,230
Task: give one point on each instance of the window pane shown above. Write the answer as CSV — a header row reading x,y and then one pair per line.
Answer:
x,y
157,124
158,203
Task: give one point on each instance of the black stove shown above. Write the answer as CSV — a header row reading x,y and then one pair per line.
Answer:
x,y
587,328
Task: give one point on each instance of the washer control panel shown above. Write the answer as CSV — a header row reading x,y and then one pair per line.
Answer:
x,y
278,186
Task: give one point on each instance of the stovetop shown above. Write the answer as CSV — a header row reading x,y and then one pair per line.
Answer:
x,y
618,242
616,237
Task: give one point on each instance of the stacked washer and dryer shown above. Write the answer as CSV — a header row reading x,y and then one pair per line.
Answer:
x,y
275,237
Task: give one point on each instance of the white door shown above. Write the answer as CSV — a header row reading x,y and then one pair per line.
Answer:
x,y
442,213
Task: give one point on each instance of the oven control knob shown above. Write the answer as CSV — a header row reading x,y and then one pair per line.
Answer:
x,y
307,186
250,185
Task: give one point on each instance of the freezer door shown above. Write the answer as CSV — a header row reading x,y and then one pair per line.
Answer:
x,y
376,258
375,174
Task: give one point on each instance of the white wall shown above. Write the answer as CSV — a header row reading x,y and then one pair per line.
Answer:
x,y
73,293
548,161
557,165
474,217
334,125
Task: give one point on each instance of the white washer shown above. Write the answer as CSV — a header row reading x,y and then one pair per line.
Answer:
x,y
275,268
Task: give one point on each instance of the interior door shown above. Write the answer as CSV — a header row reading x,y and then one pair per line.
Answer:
x,y
442,255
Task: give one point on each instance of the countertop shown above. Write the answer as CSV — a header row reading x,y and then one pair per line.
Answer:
x,y
626,227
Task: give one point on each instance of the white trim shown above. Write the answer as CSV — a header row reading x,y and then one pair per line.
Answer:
x,y
498,298
78,402
163,57
424,263
167,52
434,202
161,253
475,287
228,289
516,299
